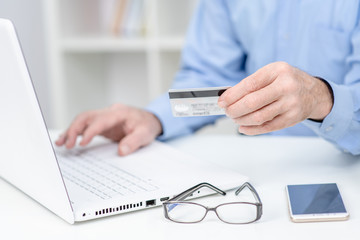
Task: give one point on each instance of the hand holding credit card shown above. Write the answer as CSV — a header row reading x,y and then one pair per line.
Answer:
x,y
196,101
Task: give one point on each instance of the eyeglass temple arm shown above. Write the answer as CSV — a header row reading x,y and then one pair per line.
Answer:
x,y
252,189
188,192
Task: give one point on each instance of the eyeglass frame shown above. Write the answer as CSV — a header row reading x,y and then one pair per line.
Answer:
x,y
182,196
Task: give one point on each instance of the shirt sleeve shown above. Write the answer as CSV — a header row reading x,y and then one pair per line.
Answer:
x,y
342,125
212,56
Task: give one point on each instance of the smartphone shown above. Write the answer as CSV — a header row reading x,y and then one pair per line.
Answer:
x,y
315,203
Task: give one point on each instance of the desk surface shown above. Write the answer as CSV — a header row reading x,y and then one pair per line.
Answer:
x,y
270,162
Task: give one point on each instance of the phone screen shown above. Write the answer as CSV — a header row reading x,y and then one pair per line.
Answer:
x,y
315,199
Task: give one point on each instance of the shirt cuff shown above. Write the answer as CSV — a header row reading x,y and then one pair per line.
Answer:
x,y
337,122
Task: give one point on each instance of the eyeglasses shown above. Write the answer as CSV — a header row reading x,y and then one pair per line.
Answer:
x,y
180,211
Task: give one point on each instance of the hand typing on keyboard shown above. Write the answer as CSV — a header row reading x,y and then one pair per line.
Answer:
x,y
131,127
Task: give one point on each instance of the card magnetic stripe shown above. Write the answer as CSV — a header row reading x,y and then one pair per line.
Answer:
x,y
196,94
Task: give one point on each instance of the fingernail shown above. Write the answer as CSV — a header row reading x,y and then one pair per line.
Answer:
x,y
124,149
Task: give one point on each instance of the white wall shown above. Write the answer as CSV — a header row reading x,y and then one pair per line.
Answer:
x,y
27,16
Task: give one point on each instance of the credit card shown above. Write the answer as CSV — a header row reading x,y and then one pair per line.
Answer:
x,y
196,101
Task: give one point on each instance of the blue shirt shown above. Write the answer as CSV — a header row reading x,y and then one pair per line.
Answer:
x,y
230,39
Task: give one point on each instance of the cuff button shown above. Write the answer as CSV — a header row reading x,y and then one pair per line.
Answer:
x,y
328,129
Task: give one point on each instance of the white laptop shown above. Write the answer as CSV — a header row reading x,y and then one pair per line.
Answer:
x,y
91,182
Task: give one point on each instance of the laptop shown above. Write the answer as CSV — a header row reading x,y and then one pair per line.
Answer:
x,y
85,182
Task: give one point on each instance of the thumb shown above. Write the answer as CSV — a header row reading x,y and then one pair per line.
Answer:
x,y
133,141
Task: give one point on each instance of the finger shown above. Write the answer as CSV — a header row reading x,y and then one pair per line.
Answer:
x,y
253,101
133,141
61,140
97,127
277,123
261,116
76,128
254,82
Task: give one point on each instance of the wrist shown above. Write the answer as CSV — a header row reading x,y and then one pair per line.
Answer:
x,y
156,125
324,99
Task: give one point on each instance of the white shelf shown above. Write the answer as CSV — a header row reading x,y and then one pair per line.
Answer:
x,y
103,44
115,44
90,68
171,43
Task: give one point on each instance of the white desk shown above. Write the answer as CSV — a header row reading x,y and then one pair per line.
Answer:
x,y
270,162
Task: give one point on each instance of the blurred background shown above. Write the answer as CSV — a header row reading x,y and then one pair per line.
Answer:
x,y
88,54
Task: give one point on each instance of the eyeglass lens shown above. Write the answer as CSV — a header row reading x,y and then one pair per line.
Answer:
x,y
237,212
231,212
185,212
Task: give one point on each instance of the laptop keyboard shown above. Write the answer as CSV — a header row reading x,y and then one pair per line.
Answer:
x,y
99,176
